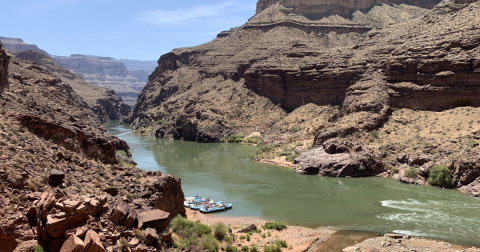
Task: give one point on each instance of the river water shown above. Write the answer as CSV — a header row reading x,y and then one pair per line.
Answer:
x,y
225,172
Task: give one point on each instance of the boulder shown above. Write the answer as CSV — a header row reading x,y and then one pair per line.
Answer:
x,y
134,242
248,229
27,246
119,212
140,248
73,244
56,177
92,242
132,217
154,219
57,227
151,237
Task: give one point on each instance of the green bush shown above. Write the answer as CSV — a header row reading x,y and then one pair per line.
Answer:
x,y
291,158
440,175
231,248
228,239
472,143
236,138
281,243
244,248
186,228
242,237
253,248
264,149
375,133
275,225
208,242
285,153
248,237
394,170
220,230
272,248
411,172
38,248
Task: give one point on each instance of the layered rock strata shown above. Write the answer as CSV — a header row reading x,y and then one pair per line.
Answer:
x,y
316,9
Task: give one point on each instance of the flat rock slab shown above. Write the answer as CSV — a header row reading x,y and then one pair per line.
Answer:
x,y
153,219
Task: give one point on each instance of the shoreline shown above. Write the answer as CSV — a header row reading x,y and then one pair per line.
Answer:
x,y
307,239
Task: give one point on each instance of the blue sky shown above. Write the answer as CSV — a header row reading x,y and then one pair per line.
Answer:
x,y
141,29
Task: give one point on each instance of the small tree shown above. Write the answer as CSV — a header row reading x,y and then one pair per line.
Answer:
x,y
219,230
440,175
38,248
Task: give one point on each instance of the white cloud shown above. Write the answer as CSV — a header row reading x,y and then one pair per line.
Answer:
x,y
189,15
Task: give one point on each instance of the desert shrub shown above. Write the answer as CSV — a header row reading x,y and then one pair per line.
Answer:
x,y
285,153
264,149
220,230
139,234
208,242
253,248
269,234
295,129
244,248
411,172
228,239
291,158
272,248
186,228
472,143
248,237
231,248
236,138
375,133
38,248
361,168
440,175
281,243
193,234
263,235
123,243
394,170
242,237
275,225
121,153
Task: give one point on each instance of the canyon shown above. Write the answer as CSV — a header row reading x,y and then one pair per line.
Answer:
x,y
333,92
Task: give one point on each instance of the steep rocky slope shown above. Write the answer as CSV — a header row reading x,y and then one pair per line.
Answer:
x,y
17,44
104,102
105,72
330,88
65,183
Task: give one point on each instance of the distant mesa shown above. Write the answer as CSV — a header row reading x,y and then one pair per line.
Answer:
x,y
126,77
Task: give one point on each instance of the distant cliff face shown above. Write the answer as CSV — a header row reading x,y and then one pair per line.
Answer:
x,y
102,101
106,72
316,9
17,44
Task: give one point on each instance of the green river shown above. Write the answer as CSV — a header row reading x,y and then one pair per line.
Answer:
x,y
225,172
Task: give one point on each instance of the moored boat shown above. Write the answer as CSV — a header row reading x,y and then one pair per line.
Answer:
x,y
215,207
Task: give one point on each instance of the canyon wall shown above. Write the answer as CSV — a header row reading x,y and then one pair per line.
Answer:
x,y
105,72
317,9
